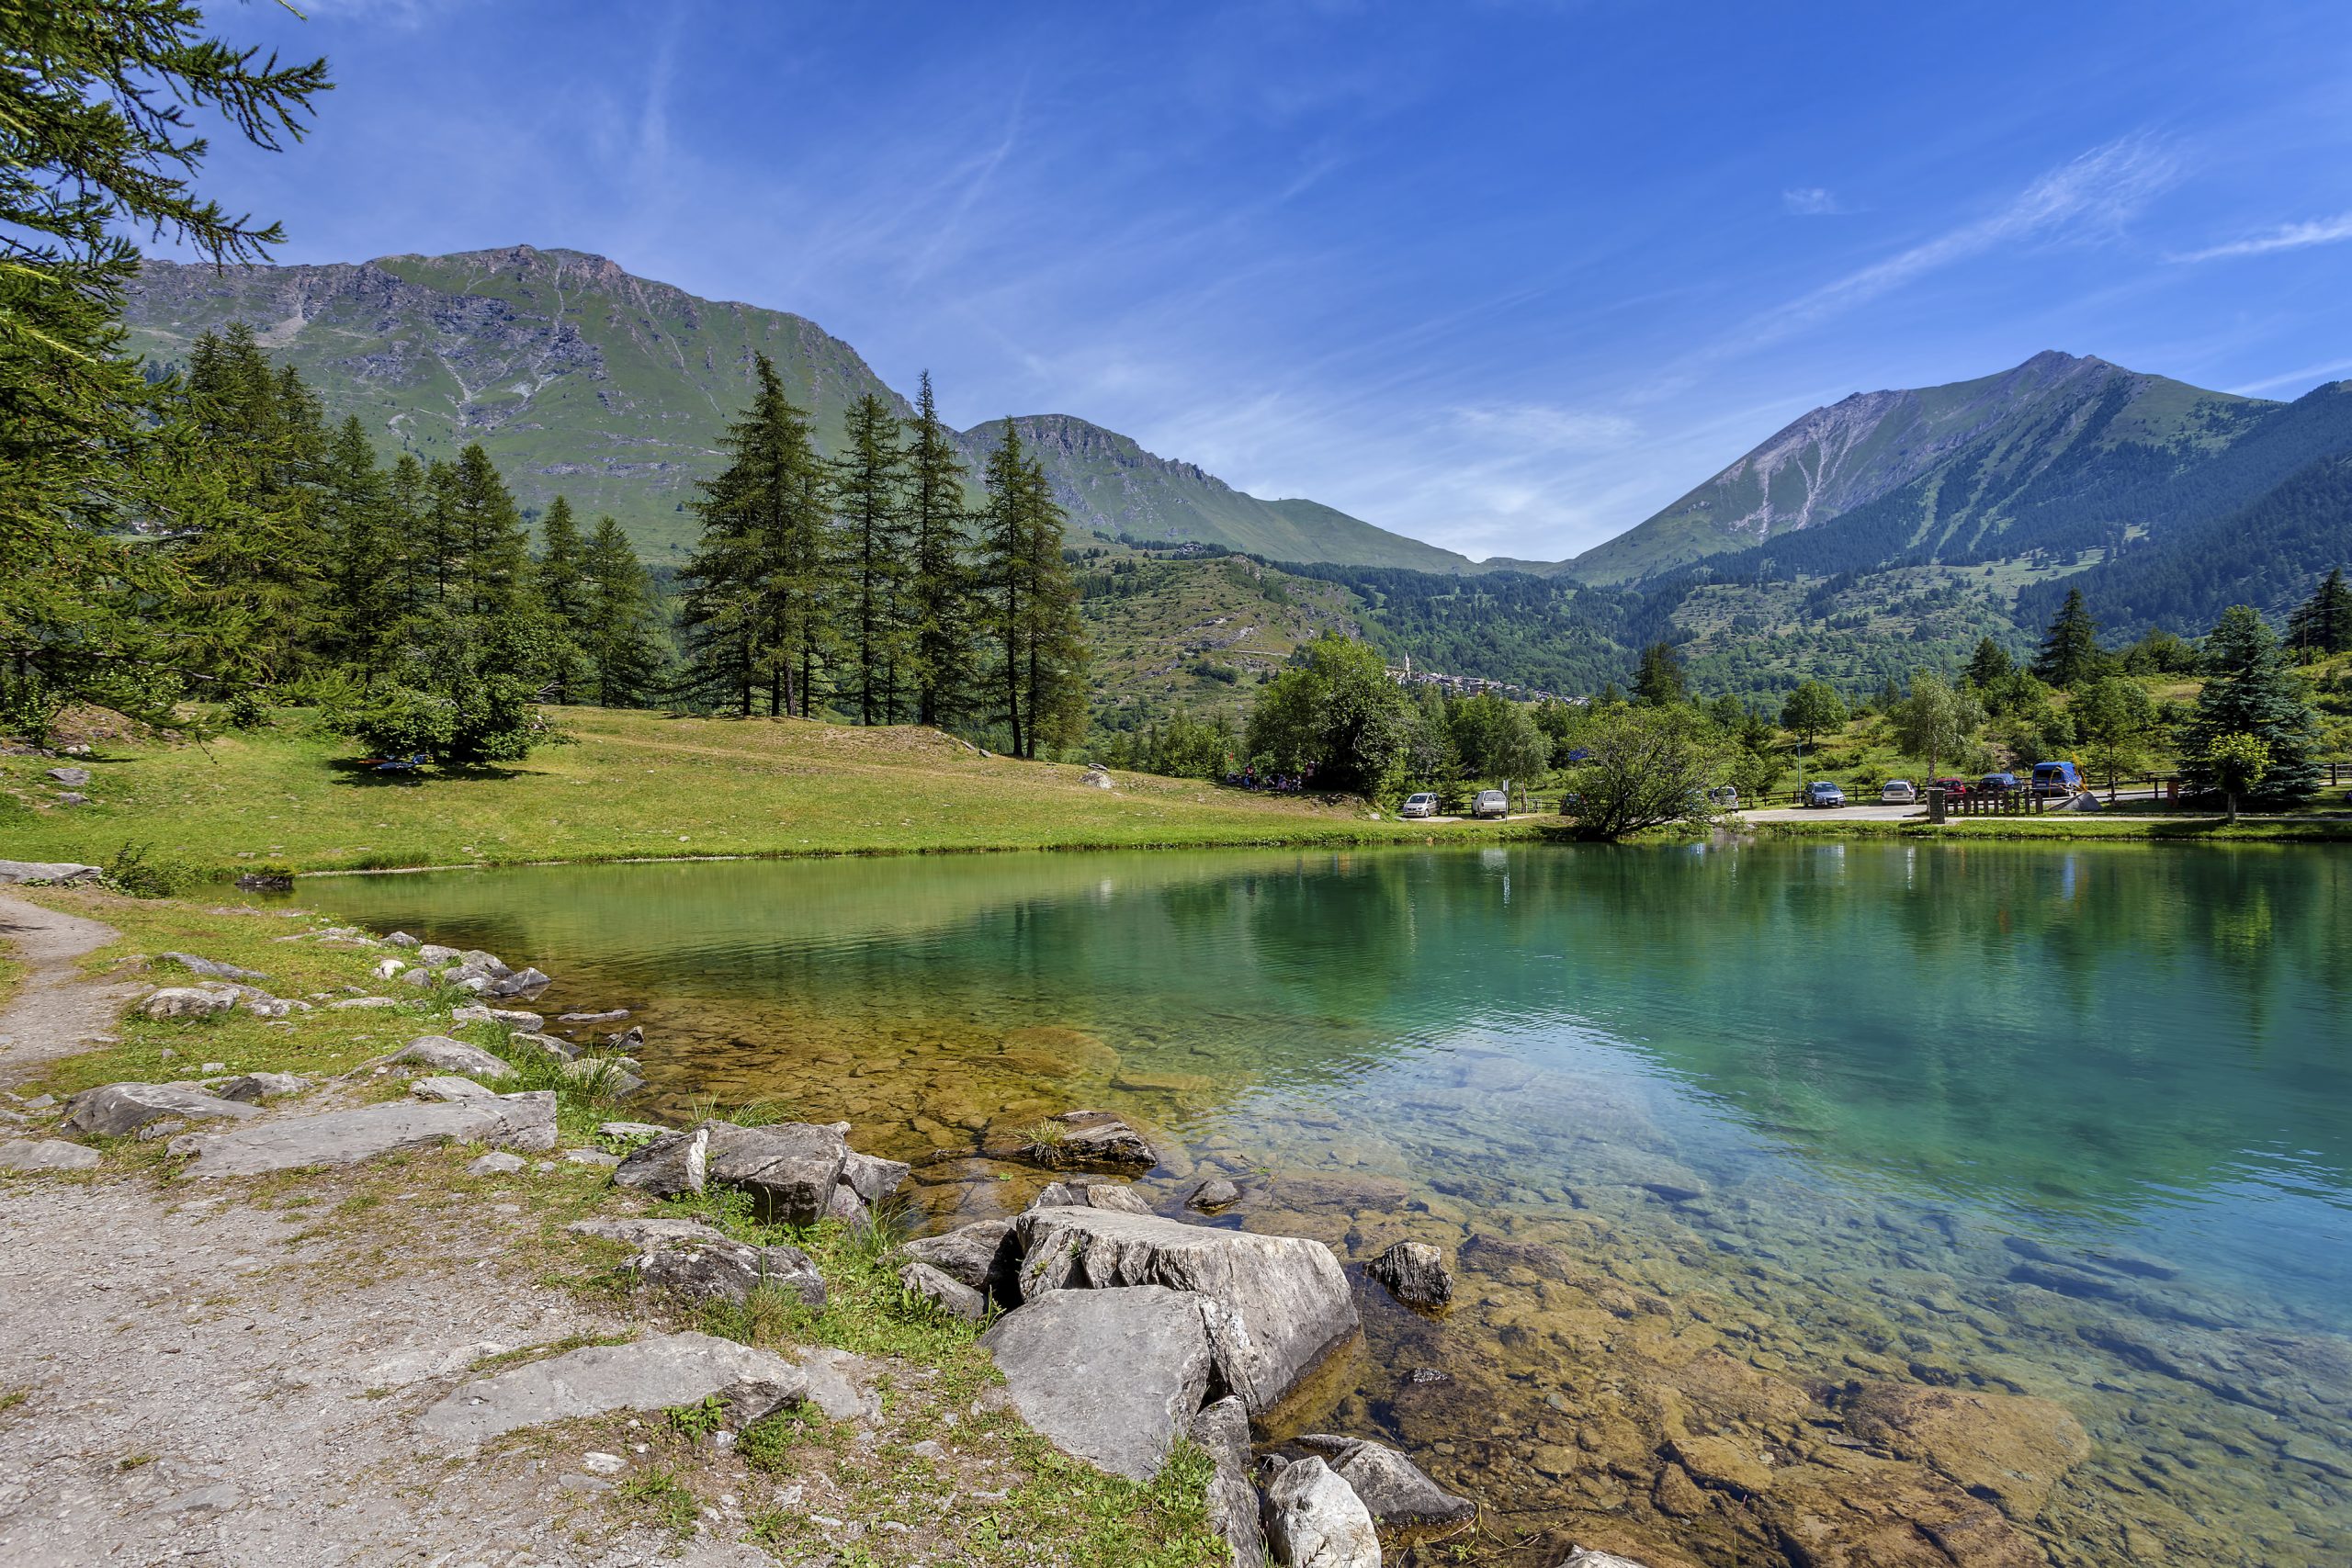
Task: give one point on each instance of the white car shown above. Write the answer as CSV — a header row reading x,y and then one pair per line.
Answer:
x,y
1898,791
1490,803
1422,805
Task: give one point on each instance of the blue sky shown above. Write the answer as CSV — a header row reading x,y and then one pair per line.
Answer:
x,y
1507,277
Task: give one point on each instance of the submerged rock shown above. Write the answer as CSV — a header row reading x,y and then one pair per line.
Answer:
x,y
1416,1274
1213,1194
1110,1376
2009,1447
1396,1492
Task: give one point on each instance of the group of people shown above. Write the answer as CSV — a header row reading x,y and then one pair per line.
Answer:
x,y
1280,783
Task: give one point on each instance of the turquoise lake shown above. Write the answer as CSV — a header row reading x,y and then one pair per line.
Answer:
x,y
1812,1203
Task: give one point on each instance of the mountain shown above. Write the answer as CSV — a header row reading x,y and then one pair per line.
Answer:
x,y
579,378
2038,457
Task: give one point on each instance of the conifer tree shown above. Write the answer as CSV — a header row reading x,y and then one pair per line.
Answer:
x,y
2324,623
559,579
867,485
1989,665
365,546
2070,653
759,586
1032,617
1660,682
619,625
939,590
408,512
2251,690
491,557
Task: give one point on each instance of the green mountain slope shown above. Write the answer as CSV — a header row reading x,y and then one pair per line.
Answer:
x,y
582,380
2027,459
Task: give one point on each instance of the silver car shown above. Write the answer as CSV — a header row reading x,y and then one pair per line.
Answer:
x,y
1899,791
1422,805
1490,803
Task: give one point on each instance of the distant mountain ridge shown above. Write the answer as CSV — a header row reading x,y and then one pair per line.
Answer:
x,y
583,380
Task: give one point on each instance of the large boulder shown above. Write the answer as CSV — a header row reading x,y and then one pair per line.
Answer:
x,y
1314,1519
1222,1430
1416,1274
790,1170
188,1001
1396,1492
1110,1376
654,1373
1092,1140
721,1269
1287,1303
524,1122
117,1110
984,1256
445,1055
671,1165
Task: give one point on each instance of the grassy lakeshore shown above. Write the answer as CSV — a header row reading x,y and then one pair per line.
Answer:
x,y
636,784
948,1462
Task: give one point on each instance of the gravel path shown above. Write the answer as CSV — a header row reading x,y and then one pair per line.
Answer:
x,y
189,1378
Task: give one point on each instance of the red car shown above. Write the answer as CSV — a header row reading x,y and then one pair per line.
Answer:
x,y
1953,788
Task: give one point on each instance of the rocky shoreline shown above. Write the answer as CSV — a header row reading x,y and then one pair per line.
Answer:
x,y
1121,1336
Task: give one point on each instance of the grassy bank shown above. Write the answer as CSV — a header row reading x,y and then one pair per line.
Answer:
x,y
2072,825
945,1459
634,784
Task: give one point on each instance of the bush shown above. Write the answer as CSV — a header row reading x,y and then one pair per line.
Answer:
x,y
134,874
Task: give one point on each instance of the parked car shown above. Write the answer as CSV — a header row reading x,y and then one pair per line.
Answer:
x,y
2057,778
1490,803
1953,788
1822,793
1723,798
1422,805
1996,784
1898,791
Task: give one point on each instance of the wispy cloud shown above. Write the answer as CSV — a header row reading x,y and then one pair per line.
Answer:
x,y
2095,191
1812,202
2310,374
1543,427
2286,237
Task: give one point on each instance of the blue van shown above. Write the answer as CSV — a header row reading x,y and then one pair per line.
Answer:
x,y
2057,778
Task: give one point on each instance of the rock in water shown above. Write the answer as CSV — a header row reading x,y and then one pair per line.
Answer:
x,y
1315,1519
984,1256
117,1110
1094,1140
724,1269
789,1169
1416,1274
671,1164
951,1294
1090,1195
1214,1194
445,1055
1222,1432
1110,1376
1394,1491
1287,1299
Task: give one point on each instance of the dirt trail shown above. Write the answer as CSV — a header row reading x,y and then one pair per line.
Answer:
x,y
56,1010
193,1378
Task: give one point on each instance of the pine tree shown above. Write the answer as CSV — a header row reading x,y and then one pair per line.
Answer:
x,y
1989,665
2251,690
1032,616
2324,623
868,480
408,514
1660,682
96,95
559,581
759,586
364,601
939,590
2070,653
490,550
619,625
